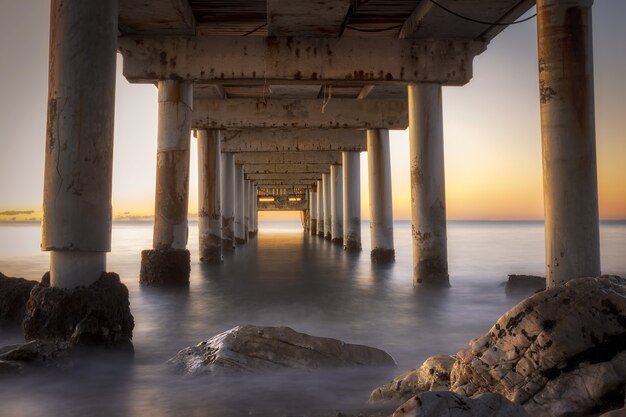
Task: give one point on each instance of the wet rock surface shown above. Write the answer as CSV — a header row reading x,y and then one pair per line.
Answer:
x,y
561,352
449,404
253,349
165,267
14,293
526,283
25,357
433,375
98,315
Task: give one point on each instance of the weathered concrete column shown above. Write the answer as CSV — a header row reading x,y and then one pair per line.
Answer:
x,y
320,208
240,206
351,164
228,201
256,209
246,209
251,210
79,141
327,207
428,193
169,261
381,209
336,204
209,195
568,140
313,211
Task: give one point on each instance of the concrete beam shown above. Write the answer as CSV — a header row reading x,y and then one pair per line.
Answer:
x,y
221,59
281,183
338,113
246,158
290,140
298,18
287,168
285,177
171,17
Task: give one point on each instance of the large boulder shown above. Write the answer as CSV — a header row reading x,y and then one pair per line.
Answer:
x,y
36,354
255,349
449,404
560,352
14,293
97,315
433,375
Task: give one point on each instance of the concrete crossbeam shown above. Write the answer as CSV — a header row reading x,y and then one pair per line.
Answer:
x,y
219,59
284,177
245,158
286,168
298,18
303,113
289,140
294,183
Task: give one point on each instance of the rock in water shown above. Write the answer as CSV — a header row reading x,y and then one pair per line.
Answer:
x,y
531,283
433,375
15,359
14,293
449,404
98,315
560,352
261,349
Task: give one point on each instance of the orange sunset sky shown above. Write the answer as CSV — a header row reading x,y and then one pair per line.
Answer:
x,y
491,127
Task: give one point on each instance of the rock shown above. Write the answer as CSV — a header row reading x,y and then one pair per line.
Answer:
x,y
165,267
14,293
252,349
449,404
530,283
615,413
560,352
98,315
18,358
433,375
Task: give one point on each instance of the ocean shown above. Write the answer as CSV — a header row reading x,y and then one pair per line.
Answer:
x,y
282,278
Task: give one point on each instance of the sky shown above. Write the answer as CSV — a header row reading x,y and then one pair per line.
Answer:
x,y
491,126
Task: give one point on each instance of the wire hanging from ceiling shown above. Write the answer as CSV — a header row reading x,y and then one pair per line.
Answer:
x,y
483,22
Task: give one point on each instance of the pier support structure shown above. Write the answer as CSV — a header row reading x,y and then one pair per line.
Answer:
x,y
381,209
76,226
228,201
247,203
351,165
169,262
313,211
568,140
336,204
209,196
320,208
240,207
428,195
327,207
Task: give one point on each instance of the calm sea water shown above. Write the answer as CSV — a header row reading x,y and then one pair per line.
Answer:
x,y
286,278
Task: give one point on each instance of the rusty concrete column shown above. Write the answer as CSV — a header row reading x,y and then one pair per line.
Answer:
x,y
209,195
327,207
313,210
76,224
320,208
381,209
568,140
246,209
240,208
250,206
255,209
351,164
428,193
336,204
228,201
169,261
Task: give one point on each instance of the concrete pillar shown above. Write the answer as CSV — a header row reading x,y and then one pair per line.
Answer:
x,y
240,200
209,196
568,140
313,211
327,207
246,209
169,261
79,141
428,193
255,209
351,165
336,204
320,208
250,206
381,210
228,201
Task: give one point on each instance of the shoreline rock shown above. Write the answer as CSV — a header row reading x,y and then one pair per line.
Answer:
x,y
14,294
519,283
253,349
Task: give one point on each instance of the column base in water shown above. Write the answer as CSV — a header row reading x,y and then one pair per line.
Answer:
x,y
240,241
320,234
382,256
337,241
213,253
432,272
251,235
352,244
313,227
165,267
328,236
